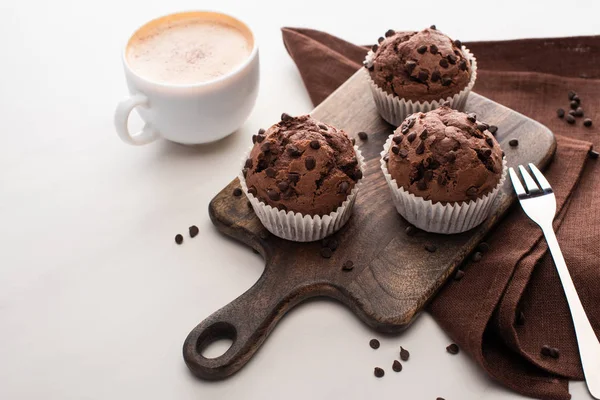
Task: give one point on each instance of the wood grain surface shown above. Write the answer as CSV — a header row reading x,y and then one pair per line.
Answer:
x,y
393,277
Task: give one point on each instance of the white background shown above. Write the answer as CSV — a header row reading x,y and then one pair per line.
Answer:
x,y
95,297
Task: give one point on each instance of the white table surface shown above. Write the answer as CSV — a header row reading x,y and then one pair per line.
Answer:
x,y
95,297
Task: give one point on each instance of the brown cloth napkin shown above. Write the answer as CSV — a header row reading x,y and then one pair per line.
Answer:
x,y
511,303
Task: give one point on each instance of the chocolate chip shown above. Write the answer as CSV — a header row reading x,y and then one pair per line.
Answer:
x,y
572,94
428,175
249,204
344,187
254,138
451,156
390,32
397,139
423,76
462,65
493,129
332,244
386,158
363,136
593,154
404,354
578,112
404,130
420,148
576,98
273,194
489,141
486,153
513,142
353,141
252,190
554,353
432,27
395,149
458,43
403,153
458,275
358,175
326,252
452,59
472,191
453,348
546,350
178,239
572,112
411,137
411,230
560,113
435,76
260,138
265,147
587,122
381,39
293,151
374,343
574,104
396,366
431,248
315,144
237,192
472,117
310,163
422,49
193,230
520,318
422,185
411,123
433,49
483,247
446,81
378,372
423,135
441,180
477,257
294,177
348,266
283,186
374,48
410,66
286,117
444,63
482,126
570,119
271,173
440,398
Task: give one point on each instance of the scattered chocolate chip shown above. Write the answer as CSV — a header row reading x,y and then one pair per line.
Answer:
x,y
441,179
472,191
458,43
462,65
265,147
293,151
481,126
326,252
513,142
452,59
440,398
374,48
593,154
489,141
574,104
374,343
411,137
332,244
381,39
446,81
193,230
254,138
260,138
423,76
576,98
520,319
451,156
572,94
273,194
570,119
283,186
310,163
386,158
404,354
560,113
411,230
324,127
379,373
578,112
363,136
410,66
428,175
397,139
431,248
493,129
403,153
390,32
315,144
432,27
458,275
411,123
423,134
237,192
433,49
422,49
453,348
396,366
572,112
422,185
554,353
178,239
248,163
353,141
404,130
477,256
420,148
348,266
435,76
472,117
546,350
483,247
395,149
271,173
587,122
444,63
252,190
358,175
286,117
344,187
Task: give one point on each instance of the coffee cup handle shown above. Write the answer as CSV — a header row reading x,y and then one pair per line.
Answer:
x,y
146,135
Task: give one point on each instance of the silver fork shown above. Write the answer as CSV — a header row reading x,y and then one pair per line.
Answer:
x,y
539,204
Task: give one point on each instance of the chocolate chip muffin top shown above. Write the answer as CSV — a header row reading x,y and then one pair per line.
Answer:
x,y
302,165
445,156
420,66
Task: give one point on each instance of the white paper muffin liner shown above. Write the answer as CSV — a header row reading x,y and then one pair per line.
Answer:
x,y
394,109
439,218
299,227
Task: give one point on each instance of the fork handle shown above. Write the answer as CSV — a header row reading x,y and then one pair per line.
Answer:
x,y
589,345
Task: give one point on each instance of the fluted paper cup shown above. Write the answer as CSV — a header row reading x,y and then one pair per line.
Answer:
x,y
446,218
394,109
300,227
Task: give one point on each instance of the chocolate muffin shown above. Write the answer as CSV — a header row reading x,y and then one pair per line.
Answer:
x,y
445,156
420,66
302,165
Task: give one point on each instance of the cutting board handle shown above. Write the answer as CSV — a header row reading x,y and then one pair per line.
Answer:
x,y
247,321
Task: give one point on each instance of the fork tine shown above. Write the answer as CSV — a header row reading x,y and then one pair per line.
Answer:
x,y
516,182
529,182
540,178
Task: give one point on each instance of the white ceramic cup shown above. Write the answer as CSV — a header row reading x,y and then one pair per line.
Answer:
x,y
190,113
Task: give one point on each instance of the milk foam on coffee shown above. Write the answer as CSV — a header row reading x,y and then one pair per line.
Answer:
x,y
187,51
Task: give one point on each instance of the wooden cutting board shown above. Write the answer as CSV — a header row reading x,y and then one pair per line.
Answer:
x,y
393,277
